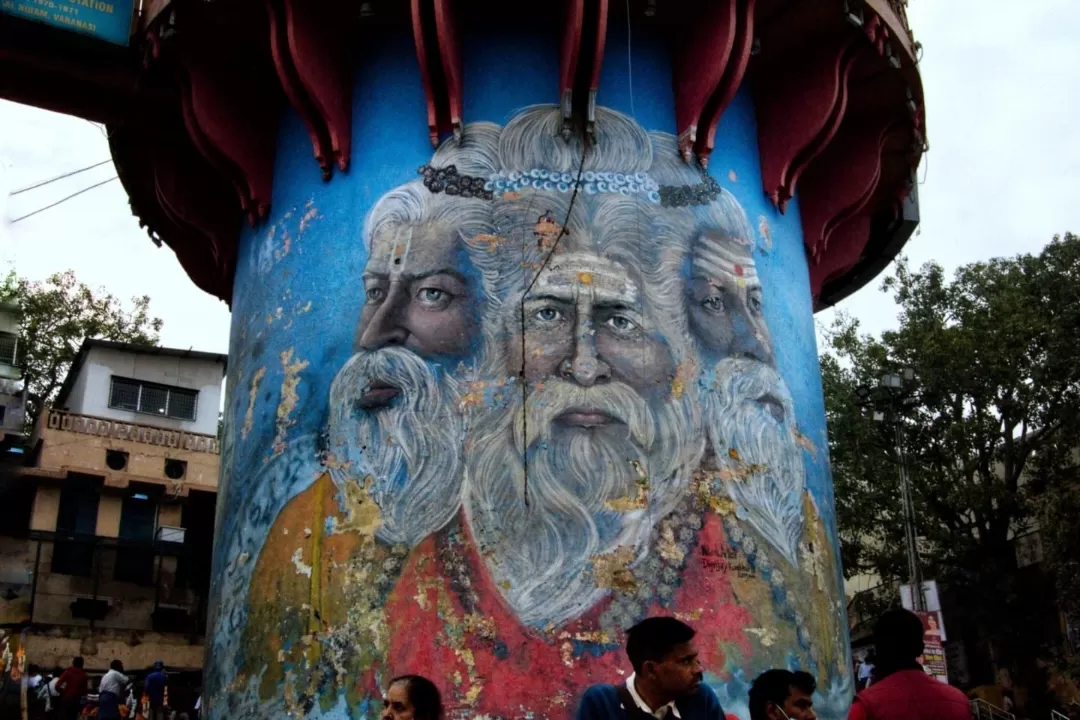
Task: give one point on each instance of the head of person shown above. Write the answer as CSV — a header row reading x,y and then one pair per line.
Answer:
x,y
724,297
749,416
395,430
117,666
606,446
898,640
77,662
664,657
412,697
159,666
722,290
34,670
782,695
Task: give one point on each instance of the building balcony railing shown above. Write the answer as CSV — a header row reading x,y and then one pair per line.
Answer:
x,y
118,430
68,580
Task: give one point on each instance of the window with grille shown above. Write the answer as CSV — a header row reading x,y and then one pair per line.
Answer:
x,y
9,349
153,399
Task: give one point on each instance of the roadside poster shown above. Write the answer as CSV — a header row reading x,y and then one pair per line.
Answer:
x,y
933,657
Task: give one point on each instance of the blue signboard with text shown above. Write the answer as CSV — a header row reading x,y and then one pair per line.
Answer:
x,y
108,20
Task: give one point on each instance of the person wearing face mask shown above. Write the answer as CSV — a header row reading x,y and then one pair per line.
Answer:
x,y
667,682
412,697
783,695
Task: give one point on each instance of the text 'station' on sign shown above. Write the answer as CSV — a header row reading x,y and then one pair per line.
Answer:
x,y
108,20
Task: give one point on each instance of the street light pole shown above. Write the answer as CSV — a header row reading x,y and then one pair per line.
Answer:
x,y
914,573
886,403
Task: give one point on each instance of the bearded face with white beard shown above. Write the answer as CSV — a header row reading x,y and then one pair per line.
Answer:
x,y
595,453
750,418
407,454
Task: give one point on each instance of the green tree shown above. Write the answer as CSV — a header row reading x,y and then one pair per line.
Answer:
x,y
57,315
990,434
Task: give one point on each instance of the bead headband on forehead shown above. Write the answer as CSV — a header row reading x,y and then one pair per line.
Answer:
x,y
447,180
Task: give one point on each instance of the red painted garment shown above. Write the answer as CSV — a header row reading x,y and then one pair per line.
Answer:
x,y
910,695
451,624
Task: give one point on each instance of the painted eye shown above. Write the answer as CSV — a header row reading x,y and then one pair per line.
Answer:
x,y
375,295
713,303
548,314
621,323
431,295
754,302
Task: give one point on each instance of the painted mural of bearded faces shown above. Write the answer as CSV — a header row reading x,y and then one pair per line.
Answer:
x,y
394,426
724,303
750,419
597,438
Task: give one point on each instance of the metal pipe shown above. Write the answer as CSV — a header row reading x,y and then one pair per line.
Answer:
x,y
96,564
910,536
34,583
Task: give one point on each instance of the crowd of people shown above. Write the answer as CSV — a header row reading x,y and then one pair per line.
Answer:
x,y
667,683
69,695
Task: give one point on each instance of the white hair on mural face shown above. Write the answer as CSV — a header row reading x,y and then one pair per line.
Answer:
x,y
408,454
412,203
539,552
532,139
584,490
750,410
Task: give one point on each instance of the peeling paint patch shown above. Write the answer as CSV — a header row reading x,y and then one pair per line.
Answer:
x,y
361,513
289,397
286,244
298,563
668,546
767,636
704,485
765,231
612,570
311,213
253,395
691,616
804,442
492,242
637,501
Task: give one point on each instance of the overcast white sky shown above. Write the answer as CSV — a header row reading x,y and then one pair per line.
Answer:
x,y
1002,81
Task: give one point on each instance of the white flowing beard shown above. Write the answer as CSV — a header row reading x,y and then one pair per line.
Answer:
x,y
582,485
411,449
768,477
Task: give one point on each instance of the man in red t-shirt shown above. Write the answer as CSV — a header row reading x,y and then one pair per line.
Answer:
x,y
904,691
72,685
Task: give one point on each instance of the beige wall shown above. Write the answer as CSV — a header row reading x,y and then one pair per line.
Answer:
x,y
108,516
130,604
46,507
169,514
56,648
81,452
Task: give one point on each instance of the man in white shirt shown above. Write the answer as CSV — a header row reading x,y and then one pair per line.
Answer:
x,y
111,690
866,671
667,682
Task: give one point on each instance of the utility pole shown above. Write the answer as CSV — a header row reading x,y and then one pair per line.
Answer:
x,y
886,404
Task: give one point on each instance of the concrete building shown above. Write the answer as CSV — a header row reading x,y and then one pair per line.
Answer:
x,y
107,527
12,388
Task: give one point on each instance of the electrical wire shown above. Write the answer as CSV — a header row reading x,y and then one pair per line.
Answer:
x,y
629,63
60,177
63,200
